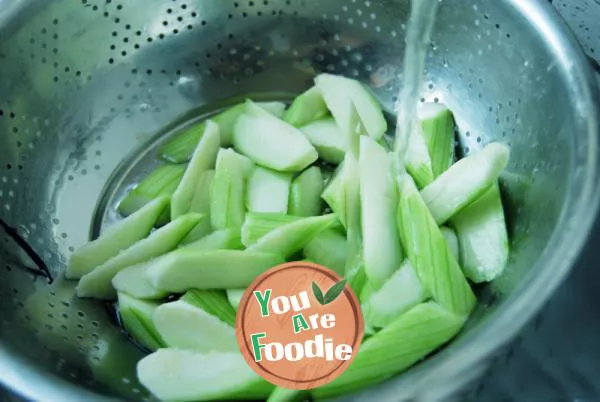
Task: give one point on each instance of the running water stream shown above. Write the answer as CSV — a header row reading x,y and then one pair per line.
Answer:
x,y
419,28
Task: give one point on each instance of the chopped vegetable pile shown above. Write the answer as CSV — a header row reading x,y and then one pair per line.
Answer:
x,y
258,185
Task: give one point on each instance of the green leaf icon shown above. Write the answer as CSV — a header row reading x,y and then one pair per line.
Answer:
x,y
334,292
318,294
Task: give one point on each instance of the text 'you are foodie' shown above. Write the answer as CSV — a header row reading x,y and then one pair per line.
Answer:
x,y
299,325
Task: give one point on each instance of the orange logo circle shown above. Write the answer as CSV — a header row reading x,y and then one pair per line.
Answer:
x,y
299,325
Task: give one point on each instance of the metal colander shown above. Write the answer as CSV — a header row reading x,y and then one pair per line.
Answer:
x,y
89,88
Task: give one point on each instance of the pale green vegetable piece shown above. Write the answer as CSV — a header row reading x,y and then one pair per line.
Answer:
x,y
329,140
343,196
136,318
277,109
382,251
213,301
268,191
337,90
307,107
437,125
291,238
227,197
418,161
429,253
272,143
465,181
342,190
399,293
227,239
259,109
258,224
203,159
161,181
187,268
133,282
335,190
280,394
245,165
201,200
305,193
350,199
367,291
404,342
182,375
235,297
202,229
253,108
452,240
481,229
181,148
98,283
185,326
165,216
343,187
353,128
330,249
116,238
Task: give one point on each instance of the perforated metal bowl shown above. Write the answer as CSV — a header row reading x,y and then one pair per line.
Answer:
x,y
89,88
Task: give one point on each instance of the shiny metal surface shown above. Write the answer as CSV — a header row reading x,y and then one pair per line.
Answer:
x,y
582,16
86,84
